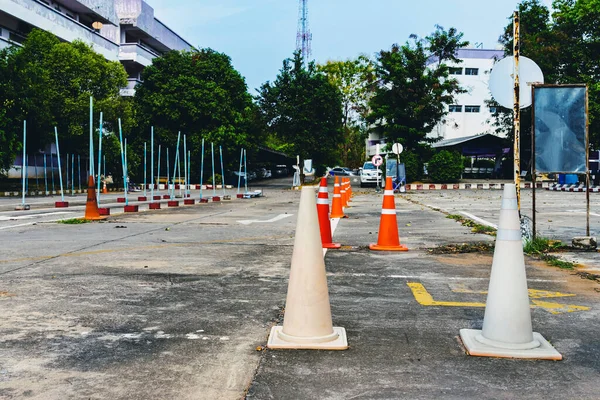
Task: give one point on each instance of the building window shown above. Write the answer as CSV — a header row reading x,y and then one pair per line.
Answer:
x,y
493,109
472,109
455,71
471,71
455,108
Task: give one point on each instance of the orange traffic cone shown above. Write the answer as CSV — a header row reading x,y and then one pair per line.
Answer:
x,y
388,239
336,204
324,222
91,206
350,189
343,193
104,189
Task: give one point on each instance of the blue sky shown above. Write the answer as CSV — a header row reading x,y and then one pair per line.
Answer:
x,y
259,34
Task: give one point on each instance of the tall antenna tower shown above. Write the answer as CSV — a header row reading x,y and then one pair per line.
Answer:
x,y
304,37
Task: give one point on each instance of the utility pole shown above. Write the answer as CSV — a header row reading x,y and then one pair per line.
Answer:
x,y
517,108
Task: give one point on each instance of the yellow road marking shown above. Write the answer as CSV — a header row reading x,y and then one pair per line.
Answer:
x,y
425,299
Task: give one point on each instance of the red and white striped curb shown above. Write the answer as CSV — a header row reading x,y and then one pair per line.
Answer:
x,y
469,186
573,188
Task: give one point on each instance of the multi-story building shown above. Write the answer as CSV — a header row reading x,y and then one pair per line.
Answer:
x,y
124,30
469,115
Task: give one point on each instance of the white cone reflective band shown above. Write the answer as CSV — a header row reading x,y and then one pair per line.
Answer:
x,y
388,212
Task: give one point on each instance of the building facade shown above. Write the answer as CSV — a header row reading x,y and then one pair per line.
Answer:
x,y
123,30
469,115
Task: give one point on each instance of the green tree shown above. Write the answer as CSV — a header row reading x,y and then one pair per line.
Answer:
x,y
303,109
355,80
200,94
566,46
445,167
413,93
48,83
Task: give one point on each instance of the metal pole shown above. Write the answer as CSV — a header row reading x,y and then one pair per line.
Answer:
x,y
222,170
189,171
104,163
45,176
91,136
240,171
175,165
79,171
67,171
52,169
168,173
202,169
158,178
72,174
152,162
127,181
145,169
185,168
62,195
123,160
246,171
23,171
99,159
517,109
214,184
533,170
587,162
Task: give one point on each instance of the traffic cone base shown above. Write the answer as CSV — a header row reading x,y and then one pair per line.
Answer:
x,y
375,246
332,245
542,349
91,205
336,341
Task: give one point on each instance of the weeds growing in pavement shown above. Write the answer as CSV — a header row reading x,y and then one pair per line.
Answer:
x,y
541,246
475,227
73,221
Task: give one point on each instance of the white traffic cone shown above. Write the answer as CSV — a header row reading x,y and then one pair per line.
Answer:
x,y
307,322
507,330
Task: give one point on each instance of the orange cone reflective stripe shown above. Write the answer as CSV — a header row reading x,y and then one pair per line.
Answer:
x,y
323,212
388,239
336,204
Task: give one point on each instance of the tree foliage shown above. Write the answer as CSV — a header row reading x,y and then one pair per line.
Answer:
x,y
355,80
200,94
413,93
565,44
48,83
445,167
302,108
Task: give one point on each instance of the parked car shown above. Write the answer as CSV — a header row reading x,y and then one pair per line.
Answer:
x,y
341,171
280,170
369,175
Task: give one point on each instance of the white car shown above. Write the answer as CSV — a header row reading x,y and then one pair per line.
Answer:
x,y
369,175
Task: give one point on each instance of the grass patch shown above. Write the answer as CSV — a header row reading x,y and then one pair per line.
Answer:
x,y
475,227
463,248
73,221
540,247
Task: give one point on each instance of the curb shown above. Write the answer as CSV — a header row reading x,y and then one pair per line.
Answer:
x,y
470,186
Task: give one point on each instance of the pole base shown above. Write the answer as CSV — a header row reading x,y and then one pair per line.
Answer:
x,y
173,203
61,204
104,211
156,197
120,199
189,202
155,206
166,196
22,207
142,198
131,208
340,341
227,197
474,347
216,198
331,245
376,247
240,196
204,200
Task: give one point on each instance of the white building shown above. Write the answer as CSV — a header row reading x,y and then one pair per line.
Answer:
x,y
469,115
124,30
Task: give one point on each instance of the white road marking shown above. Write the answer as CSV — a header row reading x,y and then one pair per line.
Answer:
x,y
425,278
29,216
582,212
29,223
481,221
274,219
